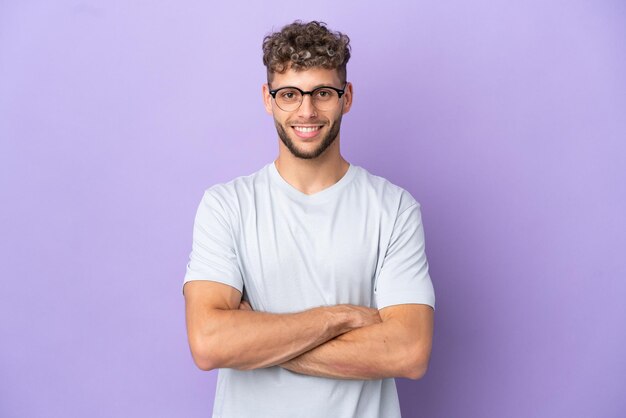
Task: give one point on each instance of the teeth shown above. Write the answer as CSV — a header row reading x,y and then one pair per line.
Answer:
x,y
308,129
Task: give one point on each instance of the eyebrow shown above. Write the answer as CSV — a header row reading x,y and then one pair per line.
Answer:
x,y
315,87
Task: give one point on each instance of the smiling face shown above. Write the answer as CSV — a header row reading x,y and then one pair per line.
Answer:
x,y
308,132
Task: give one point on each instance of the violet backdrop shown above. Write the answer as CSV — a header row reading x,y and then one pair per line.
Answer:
x,y
505,119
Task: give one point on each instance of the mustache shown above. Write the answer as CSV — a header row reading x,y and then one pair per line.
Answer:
x,y
307,122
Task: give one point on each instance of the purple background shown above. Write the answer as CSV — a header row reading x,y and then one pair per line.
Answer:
x,y
506,120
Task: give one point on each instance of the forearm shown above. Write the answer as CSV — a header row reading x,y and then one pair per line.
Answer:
x,y
373,352
363,353
243,339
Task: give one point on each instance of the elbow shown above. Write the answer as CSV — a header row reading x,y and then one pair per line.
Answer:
x,y
211,361
416,372
205,367
416,363
208,354
206,341
203,363
205,357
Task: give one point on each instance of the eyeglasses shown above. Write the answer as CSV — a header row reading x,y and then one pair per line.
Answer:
x,y
323,98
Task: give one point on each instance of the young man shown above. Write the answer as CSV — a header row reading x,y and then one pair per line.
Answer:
x,y
308,283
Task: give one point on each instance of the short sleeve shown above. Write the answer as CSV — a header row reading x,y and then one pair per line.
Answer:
x,y
404,277
213,256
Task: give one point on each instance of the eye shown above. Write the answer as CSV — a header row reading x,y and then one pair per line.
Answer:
x,y
324,94
289,95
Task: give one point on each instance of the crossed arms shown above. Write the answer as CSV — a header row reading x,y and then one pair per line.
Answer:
x,y
341,341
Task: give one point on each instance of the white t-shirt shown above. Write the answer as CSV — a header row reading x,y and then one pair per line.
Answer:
x,y
359,241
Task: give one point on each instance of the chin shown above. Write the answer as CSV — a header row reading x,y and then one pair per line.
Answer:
x,y
307,148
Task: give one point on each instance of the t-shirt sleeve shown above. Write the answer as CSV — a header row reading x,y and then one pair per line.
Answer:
x,y
213,256
404,277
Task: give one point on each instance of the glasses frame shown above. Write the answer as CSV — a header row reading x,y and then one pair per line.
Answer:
x,y
340,92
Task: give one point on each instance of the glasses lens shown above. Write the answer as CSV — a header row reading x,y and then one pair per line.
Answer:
x,y
288,99
324,98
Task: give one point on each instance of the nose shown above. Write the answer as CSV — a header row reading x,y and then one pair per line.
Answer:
x,y
306,109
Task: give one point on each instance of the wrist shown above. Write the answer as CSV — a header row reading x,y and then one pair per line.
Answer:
x,y
341,319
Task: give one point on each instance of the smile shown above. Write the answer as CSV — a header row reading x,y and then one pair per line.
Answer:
x,y
307,132
306,129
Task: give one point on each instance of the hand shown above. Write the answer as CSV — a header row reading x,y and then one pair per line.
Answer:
x,y
361,316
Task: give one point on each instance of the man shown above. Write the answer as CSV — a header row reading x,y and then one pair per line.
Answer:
x,y
308,283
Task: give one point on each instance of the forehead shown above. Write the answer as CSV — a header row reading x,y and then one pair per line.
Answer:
x,y
306,79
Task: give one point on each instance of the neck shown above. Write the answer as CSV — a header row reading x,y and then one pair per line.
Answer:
x,y
314,175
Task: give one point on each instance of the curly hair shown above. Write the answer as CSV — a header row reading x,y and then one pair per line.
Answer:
x,y
306,45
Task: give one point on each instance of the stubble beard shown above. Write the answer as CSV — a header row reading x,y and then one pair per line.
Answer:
x,y
323,146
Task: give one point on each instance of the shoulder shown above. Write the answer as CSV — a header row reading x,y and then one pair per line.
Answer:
x,y
229,198
231,192
393,197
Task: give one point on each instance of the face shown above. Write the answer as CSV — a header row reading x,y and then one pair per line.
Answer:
x,y
308,132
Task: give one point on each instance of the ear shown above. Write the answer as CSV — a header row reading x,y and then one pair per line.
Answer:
x,y
347,98
267,99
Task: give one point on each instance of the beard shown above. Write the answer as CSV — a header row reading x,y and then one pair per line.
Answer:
x,y
326,142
